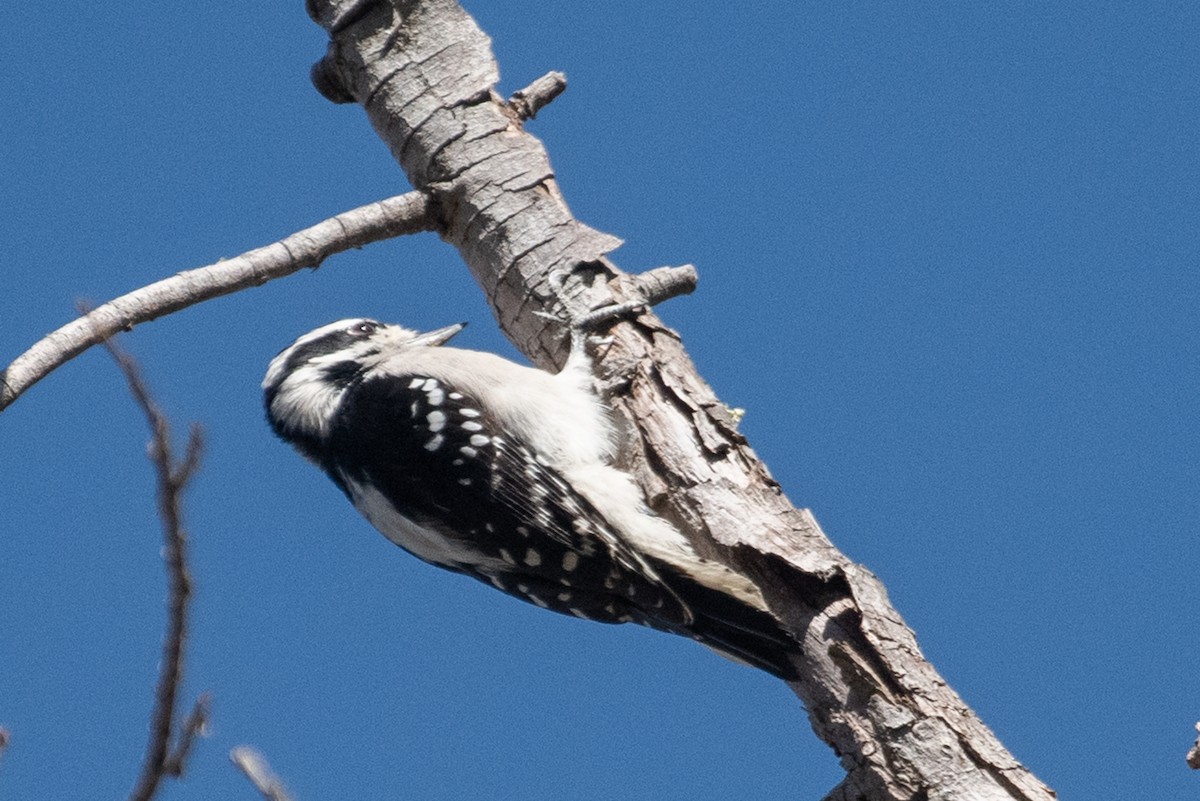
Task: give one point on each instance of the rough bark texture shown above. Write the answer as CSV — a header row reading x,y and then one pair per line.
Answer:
x,y
425,74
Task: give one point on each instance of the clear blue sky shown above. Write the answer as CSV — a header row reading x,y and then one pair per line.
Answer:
x,y
949,266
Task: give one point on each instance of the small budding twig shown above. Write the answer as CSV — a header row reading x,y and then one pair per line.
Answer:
x,y
195,726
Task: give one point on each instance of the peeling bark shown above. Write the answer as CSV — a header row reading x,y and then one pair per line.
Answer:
x,y
426,76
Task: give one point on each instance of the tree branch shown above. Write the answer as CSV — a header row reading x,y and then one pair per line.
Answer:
x,y
426,76
172,478
527,102
396,216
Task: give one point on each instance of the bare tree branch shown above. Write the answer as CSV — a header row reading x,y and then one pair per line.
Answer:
x,y
425,74
254,766
396,216
172,478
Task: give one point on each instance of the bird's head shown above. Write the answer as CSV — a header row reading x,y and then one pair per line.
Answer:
x,y
305,383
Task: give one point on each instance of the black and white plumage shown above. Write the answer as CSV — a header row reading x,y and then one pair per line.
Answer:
x,y
503,472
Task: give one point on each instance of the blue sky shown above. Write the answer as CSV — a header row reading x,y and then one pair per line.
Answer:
x,y
948,262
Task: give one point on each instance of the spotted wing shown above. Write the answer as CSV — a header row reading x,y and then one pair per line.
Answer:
x,y
482,503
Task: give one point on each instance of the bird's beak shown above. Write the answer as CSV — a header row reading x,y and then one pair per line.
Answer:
x,y
438,337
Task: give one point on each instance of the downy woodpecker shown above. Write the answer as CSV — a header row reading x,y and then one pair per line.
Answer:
x,y
504,473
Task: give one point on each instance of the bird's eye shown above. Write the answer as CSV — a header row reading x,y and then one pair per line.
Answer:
x,y
365,328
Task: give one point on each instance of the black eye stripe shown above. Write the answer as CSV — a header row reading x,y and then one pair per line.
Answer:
x,y
330,343
354,339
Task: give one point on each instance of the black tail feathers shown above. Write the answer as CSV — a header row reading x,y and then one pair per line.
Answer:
x,y
767,648
739,631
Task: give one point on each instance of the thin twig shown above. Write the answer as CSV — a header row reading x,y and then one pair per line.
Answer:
x,y
254,766
172,477
195,726
403,214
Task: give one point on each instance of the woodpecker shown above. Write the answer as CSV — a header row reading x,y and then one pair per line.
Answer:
x,y
504,473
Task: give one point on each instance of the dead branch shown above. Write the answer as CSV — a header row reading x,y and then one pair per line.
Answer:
x,y
425,74
396,216
172,478
527,102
